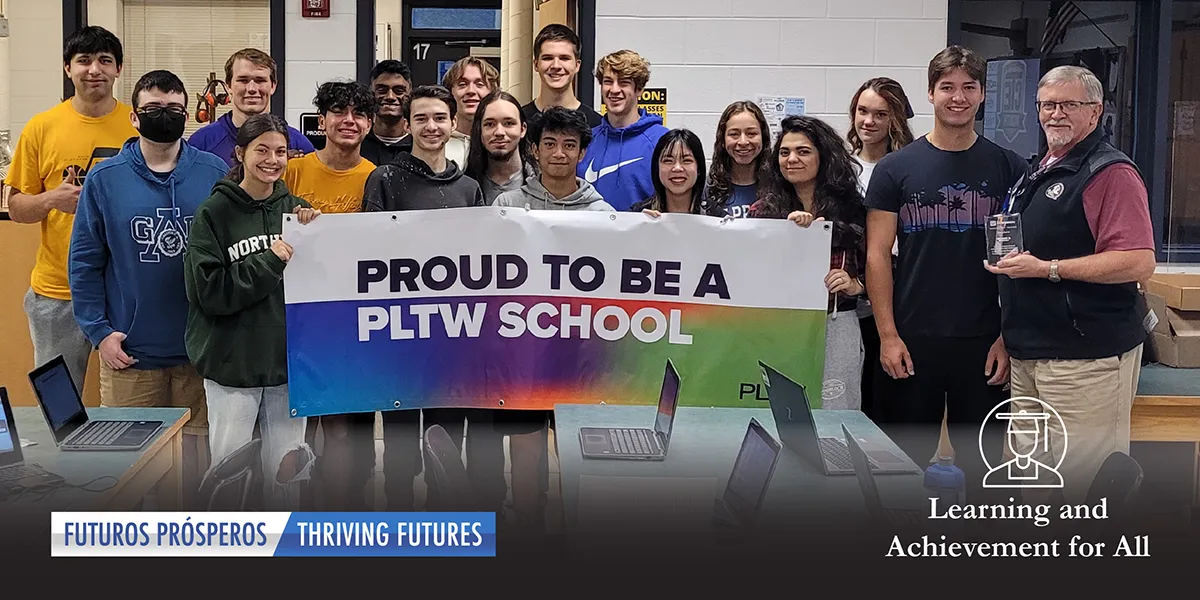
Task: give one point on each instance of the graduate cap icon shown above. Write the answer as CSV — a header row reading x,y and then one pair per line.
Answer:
x,y
1026,428
1024,421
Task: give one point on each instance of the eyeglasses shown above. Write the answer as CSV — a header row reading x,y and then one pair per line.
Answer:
x,y
154,112
1069,107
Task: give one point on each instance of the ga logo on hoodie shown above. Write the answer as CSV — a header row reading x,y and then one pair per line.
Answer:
x,y
162,235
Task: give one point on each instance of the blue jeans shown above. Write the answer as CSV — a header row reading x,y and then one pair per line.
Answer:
x,y
232,413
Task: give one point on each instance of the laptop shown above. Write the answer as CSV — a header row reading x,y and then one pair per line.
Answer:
x,y
794,421
870,492
637,443
750,477
14,471
69,422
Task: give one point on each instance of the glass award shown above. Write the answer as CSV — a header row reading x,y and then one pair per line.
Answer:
x,y
1004,236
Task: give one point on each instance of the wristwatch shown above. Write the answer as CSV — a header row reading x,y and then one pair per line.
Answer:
x,y
1054,278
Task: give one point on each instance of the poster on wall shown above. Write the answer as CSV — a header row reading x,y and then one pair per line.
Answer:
x,y
1010,116
654,100
514,309
775,108
310,126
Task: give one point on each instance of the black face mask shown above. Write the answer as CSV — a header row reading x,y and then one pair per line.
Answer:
x,y
162,126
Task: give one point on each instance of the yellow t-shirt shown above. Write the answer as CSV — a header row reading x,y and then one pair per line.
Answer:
x,y
55,145
327,190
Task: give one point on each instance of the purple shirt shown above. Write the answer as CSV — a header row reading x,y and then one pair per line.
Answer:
x,y
221,136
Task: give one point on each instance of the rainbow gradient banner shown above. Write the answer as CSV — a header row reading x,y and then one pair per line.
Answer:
x,y
509,308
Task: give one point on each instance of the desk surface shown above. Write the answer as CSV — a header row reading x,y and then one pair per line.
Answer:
x,y
704,444
79,468
1159,381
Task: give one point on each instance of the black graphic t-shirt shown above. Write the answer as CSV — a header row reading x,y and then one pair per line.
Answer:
x,y
942,200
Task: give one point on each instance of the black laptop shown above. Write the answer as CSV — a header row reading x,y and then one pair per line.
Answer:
x,y
750,478
794,421
68,419
637,443
14,471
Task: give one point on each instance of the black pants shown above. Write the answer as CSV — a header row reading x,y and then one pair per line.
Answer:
x,y
402,454
871,405
361,436
949,381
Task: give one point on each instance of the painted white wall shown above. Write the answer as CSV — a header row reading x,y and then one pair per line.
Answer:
x,y
727,50
35,60
318,50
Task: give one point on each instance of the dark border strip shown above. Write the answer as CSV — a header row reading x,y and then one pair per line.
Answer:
x,y
74,18
585,27
1151,115
279,53
365,40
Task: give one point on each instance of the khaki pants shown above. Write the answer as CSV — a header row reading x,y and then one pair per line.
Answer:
x,y
174,387
1094,399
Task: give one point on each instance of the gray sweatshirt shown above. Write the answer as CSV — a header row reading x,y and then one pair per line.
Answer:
x,y
534,196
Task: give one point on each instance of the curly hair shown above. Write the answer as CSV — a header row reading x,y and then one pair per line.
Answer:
x,y
836,196
720,183
835,193
342,95
899,112
625,63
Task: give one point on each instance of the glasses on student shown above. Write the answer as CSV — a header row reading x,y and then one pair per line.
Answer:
x,y
154,112
1069,107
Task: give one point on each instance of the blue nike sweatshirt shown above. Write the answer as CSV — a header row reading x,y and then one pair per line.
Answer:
x,y
220,136
618,161
126,260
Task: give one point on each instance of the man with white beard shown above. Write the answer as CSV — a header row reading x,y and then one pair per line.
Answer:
x,y
1070,316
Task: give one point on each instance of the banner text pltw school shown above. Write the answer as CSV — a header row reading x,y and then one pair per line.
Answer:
x,y
494,308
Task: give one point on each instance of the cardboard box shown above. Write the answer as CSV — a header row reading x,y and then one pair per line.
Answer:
x,y
1180,290
1175,340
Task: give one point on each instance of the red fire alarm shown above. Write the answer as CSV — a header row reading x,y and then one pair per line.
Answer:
x,y
315,9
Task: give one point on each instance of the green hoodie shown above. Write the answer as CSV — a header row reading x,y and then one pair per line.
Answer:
x,y
236,332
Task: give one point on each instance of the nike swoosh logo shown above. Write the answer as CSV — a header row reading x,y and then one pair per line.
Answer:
x,y
591,175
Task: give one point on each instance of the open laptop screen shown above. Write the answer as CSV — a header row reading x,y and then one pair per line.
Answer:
x,y
751,472
667,401
59,399
10,444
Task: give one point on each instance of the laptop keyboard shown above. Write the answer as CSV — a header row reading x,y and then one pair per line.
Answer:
x,y
20,472
101,433
633,441
836,453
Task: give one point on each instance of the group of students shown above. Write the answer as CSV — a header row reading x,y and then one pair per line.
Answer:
x,y
169,260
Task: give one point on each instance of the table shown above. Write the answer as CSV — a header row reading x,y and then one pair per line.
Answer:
x,y
1167,405
1167,409
157,467
704,444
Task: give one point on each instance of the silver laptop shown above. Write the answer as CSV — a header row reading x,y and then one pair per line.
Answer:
x,y
14,471
866,482
750,477
637,443
796,427
68,419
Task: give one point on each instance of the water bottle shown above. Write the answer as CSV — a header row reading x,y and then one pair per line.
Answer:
x,y
947,483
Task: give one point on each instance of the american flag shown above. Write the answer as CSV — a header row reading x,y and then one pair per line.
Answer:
x,y
1061,15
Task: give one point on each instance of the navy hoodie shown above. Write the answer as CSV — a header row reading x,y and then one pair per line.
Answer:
x,y
618,160
126,260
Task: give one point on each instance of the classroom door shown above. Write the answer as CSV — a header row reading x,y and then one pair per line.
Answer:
x,y
429,59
